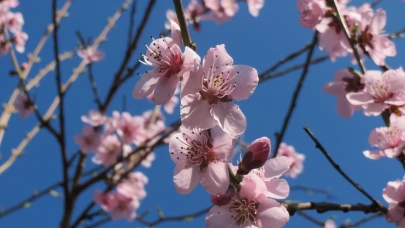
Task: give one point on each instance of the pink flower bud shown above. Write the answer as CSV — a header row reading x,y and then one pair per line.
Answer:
x,y
256,155
223,199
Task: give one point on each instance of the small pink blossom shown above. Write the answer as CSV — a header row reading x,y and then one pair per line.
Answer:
x,y
222,10
130,128
312,12
89,140
108,151
194,13
89,55
206,98
23,105
201,157
297,159
376,44
250,207
344,82
95,118
14,21
134,185
382,90
255,6
329,224
19,40
170,66
390,139
394,194
117,204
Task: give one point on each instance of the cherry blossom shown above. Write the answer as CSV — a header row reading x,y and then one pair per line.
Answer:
x,y
130,128
382,90
201,157
14,21
170,66
312,12
297,159
108,151
89,140
390,139
371,38
118,204
221,10
95,118
19,40
344,82
89,55
394,194
329,224
250,207
206,98
24,105
256,155
195,13
255,6
134,185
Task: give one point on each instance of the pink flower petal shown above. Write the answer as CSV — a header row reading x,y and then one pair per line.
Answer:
x,y
230,118
215,179
185,177
146,84
195,113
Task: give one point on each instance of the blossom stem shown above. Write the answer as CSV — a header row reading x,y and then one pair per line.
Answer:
x,y
178,5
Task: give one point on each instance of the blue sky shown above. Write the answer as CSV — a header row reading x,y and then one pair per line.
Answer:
x,y
258,42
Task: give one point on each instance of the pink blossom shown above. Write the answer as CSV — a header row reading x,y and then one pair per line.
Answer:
x,y
297,159
344,82
390,139
89,140
329,224
23,105
155,127
130,128
171,16
14,21
19,40
108,151
331,37
89,55
134,185
255,6
375,43
312,12
381,91
10,3
4,48
394,194
222,10
271,172
95,118
201,157
170,66
194,13
117,204
256,155
249,208
206,98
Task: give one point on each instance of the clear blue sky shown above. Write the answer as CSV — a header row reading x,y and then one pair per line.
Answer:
x,y
258,42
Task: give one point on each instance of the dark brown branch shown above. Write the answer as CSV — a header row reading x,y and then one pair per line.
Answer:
x,y
287,118
68,205
319,146
131,23
322,207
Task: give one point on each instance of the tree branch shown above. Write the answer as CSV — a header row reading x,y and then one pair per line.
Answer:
x,y
178,5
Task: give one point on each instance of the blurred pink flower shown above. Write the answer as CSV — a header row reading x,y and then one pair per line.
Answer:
x,y
89,140
312,12
23,105
108,151
90,56
394,194
95,118
297,160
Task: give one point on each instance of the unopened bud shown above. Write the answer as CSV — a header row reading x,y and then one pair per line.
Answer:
x,y
256,155
223,199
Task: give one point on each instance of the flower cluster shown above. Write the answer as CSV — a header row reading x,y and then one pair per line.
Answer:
x,y
216,10
120,133
14,22
123,202
365,25
394,194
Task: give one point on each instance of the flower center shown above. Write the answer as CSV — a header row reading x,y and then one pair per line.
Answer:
x,y
365,38
217,86
353,85
245,211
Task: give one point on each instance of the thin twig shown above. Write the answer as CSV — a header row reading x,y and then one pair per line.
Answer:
x,y
311,219
178,6
362,221
319,146
348,36
287,118
131,23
